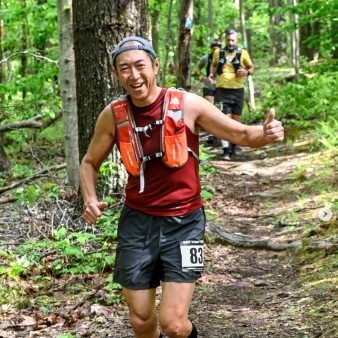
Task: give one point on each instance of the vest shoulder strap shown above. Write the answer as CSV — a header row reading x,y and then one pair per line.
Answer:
x,y
238,53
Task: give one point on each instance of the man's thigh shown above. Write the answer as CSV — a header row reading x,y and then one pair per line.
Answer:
x,y
175,300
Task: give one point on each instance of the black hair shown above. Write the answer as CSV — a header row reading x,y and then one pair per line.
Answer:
x,y
216,43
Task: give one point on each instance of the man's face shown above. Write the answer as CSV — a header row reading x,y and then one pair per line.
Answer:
x,y
136,73
231,40
213,49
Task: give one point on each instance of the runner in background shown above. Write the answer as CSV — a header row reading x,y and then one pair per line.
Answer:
x,y
232,65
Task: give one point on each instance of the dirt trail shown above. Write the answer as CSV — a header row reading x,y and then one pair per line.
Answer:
x,y
243,293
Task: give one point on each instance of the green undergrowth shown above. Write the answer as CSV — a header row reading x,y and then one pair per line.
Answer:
x,y
52,261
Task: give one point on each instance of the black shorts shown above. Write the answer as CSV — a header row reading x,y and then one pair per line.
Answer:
x,y
231,100
208,92
151,249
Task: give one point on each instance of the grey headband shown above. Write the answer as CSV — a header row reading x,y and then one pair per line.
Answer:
x,y
146,46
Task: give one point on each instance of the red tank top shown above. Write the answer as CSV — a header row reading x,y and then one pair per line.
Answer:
x,y
168,191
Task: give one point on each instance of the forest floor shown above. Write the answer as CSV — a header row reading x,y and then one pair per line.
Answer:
x,y
274,193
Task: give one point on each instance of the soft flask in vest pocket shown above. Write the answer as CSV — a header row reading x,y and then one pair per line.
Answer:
x,y
220,66
129,142
236,64
175,146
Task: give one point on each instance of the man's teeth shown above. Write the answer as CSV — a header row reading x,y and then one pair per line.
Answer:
x,y
137,86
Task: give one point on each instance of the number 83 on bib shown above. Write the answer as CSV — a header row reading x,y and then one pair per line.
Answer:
x,y
192,254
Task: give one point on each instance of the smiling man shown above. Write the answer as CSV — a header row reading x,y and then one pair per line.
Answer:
x,y
161,228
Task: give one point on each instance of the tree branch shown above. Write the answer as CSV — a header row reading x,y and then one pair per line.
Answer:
x,y
30,123
39,57
28,179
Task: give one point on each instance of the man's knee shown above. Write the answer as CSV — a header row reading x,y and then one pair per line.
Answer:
x,y
143,323
174,329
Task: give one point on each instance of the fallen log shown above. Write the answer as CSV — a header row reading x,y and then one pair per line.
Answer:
x,y
224,237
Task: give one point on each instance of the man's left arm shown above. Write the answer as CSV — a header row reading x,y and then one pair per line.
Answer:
x,y
201,113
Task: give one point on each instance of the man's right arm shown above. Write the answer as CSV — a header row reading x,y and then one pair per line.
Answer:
x,y
212,71
213,66
200,65
98,150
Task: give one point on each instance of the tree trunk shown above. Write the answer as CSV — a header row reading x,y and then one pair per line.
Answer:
x,y
278,41
167,44
199,9
250,32
305,32
294,40
5,166
335,39
98,27
2,96
40,43
243,29
24,64
211,20
68,91
251,88
155,13
184,44
316,28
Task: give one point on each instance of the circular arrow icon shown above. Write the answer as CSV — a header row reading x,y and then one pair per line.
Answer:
x,y
325,214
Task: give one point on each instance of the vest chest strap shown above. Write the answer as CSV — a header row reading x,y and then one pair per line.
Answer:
x,y
148,128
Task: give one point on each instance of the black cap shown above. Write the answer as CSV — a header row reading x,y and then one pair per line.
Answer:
x,y
216,43
145,45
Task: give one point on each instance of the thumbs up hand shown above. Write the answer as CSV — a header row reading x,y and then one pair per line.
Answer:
x,y
273,129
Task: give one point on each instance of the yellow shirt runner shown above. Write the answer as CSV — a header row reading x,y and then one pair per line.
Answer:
x,y
228,78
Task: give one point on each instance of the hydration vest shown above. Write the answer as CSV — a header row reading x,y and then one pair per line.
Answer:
x,y
235,61
173,145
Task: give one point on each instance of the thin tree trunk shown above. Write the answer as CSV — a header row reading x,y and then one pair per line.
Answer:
x,y
305,32
68,91
294,40
155,25
251,88
2,96
335,39
24,64
167,44
184,44
211,21
278,40
5,166
243,29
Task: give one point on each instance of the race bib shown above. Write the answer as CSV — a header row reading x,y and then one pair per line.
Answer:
x,y
192,254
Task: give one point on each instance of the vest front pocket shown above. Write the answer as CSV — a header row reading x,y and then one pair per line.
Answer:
x,y
175,143
129,158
